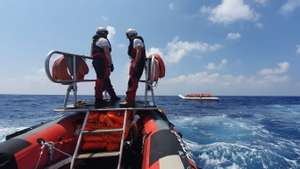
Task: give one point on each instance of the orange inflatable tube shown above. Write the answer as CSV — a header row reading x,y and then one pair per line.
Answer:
x,y
163,147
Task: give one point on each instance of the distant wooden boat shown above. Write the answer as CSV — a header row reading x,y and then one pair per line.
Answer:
x,y
199,97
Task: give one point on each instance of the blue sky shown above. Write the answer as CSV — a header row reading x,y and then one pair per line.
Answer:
x,y
226,47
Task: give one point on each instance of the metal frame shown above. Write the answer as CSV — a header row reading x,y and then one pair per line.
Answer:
x,y
79,140
73,82
105,154
106,109
122,140
149,83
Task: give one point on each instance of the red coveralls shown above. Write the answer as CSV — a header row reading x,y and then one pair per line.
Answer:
x,y
102,66
135,71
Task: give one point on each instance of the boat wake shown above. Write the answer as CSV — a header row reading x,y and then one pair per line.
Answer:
x,y
234,155
223,142
8,130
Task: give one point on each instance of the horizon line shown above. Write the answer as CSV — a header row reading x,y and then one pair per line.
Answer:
x,y
27,94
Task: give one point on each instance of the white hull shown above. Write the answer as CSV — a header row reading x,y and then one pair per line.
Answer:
x,y
199,98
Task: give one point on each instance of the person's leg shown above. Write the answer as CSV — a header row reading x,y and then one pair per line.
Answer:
x,y
131,91
132,87
109,88
99,84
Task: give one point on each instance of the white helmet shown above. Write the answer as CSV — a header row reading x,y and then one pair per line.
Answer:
x,y
131,32
101,30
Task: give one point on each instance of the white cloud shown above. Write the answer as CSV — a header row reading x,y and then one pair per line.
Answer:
x,y
259,25
281,69
222,84
233,35
262,2
216,66
33,83
217,83
298,49
112,31
104,18
121,45
274,82
177,49
171,6
205,10
154,50
37,82
289,6
230,11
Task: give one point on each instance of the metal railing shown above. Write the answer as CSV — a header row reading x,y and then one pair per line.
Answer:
x,y
73,71
72,84
149,83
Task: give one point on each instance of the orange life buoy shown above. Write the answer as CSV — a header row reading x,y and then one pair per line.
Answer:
x,y
82,69
60,69
159,67
162,68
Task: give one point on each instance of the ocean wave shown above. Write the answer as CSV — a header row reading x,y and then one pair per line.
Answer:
x,y
218,155
8,130
236,155
222,126
237,132
237,143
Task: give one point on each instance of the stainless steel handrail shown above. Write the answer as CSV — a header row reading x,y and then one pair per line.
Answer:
x,y
47,67
73,82
149,83
149,70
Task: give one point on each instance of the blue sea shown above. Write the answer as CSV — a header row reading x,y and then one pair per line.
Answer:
x,y
236,132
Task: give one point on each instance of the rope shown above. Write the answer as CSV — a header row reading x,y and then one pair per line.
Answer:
x,y
51,147
64,153
39,159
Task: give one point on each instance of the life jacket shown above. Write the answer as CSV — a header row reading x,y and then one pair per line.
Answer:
x,y
62,68
102,65
132,53
105,120
96,51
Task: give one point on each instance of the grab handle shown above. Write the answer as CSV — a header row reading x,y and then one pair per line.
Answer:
x,y
73,82
74,56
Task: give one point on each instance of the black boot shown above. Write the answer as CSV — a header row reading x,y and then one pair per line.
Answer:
x,y
99,103
115,99
125,103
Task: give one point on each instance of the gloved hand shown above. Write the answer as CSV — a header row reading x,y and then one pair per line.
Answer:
x,y
112,68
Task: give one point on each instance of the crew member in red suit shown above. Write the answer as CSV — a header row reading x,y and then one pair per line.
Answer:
x,y
102,63
137,54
